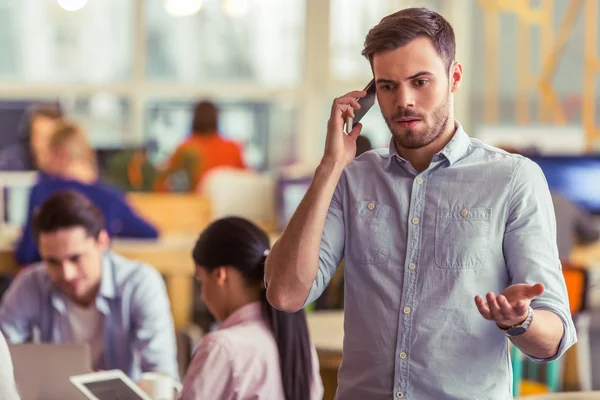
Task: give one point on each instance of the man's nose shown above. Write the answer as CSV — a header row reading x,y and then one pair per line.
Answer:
x,y
405,98
69,271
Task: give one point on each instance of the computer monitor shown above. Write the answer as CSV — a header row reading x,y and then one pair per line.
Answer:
x,y
290,192
575,177
12,118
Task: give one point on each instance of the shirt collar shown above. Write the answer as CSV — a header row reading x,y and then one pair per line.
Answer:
x,y
247,313
453,151
457,146
108,287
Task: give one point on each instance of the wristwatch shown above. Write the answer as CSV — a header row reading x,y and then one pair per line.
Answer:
x,y
521,328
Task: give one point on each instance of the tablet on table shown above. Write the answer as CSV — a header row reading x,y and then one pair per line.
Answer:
x,y
108,385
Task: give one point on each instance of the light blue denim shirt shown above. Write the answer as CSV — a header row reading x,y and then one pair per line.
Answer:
x,y
139,335
417,249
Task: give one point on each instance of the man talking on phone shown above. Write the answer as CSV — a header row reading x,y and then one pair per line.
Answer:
x,y
449,245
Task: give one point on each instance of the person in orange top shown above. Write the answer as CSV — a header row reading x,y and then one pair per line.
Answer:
x,y
202,151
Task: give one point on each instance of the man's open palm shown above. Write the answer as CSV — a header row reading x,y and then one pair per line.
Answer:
x,y
511,306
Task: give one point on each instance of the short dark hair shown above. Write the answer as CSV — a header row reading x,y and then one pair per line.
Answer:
x,y
398,29
67,209
206,118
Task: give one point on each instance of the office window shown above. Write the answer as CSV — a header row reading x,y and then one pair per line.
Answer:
x,y
105,117
350,21
284,135
258,41
567,77
42,42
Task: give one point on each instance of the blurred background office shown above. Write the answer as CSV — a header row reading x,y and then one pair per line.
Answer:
x,y
131,73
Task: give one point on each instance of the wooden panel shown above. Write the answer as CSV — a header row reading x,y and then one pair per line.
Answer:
x,y
173,212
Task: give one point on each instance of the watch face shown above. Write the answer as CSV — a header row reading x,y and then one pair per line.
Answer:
x,y
516,331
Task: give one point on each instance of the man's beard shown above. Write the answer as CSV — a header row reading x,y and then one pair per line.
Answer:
x,y
411,139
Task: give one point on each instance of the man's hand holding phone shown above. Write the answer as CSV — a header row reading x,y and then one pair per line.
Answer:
x,y
339,146
293,262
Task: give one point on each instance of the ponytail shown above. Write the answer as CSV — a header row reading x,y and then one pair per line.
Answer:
x,y
295,357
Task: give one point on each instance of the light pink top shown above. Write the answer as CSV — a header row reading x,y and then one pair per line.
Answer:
x,y
241,361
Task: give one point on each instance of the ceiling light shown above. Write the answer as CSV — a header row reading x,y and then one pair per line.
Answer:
x,y
236,8
72,5
182,8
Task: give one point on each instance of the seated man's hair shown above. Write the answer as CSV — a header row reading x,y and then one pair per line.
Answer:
x,y
67,209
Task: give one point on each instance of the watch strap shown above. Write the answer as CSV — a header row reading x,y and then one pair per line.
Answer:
x,y
521,328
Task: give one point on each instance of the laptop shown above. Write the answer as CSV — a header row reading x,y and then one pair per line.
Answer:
x,y
42,371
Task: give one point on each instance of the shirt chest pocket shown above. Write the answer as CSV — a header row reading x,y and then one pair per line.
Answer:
x,y
370,232
461,237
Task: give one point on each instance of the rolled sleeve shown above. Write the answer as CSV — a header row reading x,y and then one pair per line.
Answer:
x,y
332,244
568,339
530,247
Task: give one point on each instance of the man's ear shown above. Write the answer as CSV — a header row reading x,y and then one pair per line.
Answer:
x,y
456,73
103,240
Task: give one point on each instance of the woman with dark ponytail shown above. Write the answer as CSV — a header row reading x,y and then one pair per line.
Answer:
x,y
258,352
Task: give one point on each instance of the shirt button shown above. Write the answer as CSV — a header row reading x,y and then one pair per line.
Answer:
x,y
403,355
399,394
406,310
464,213
412,266
419,181
371,206
415,221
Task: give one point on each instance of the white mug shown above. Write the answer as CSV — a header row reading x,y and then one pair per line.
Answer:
x,y
159,386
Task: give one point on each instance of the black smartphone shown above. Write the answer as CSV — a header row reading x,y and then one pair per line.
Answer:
x,y
365,105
